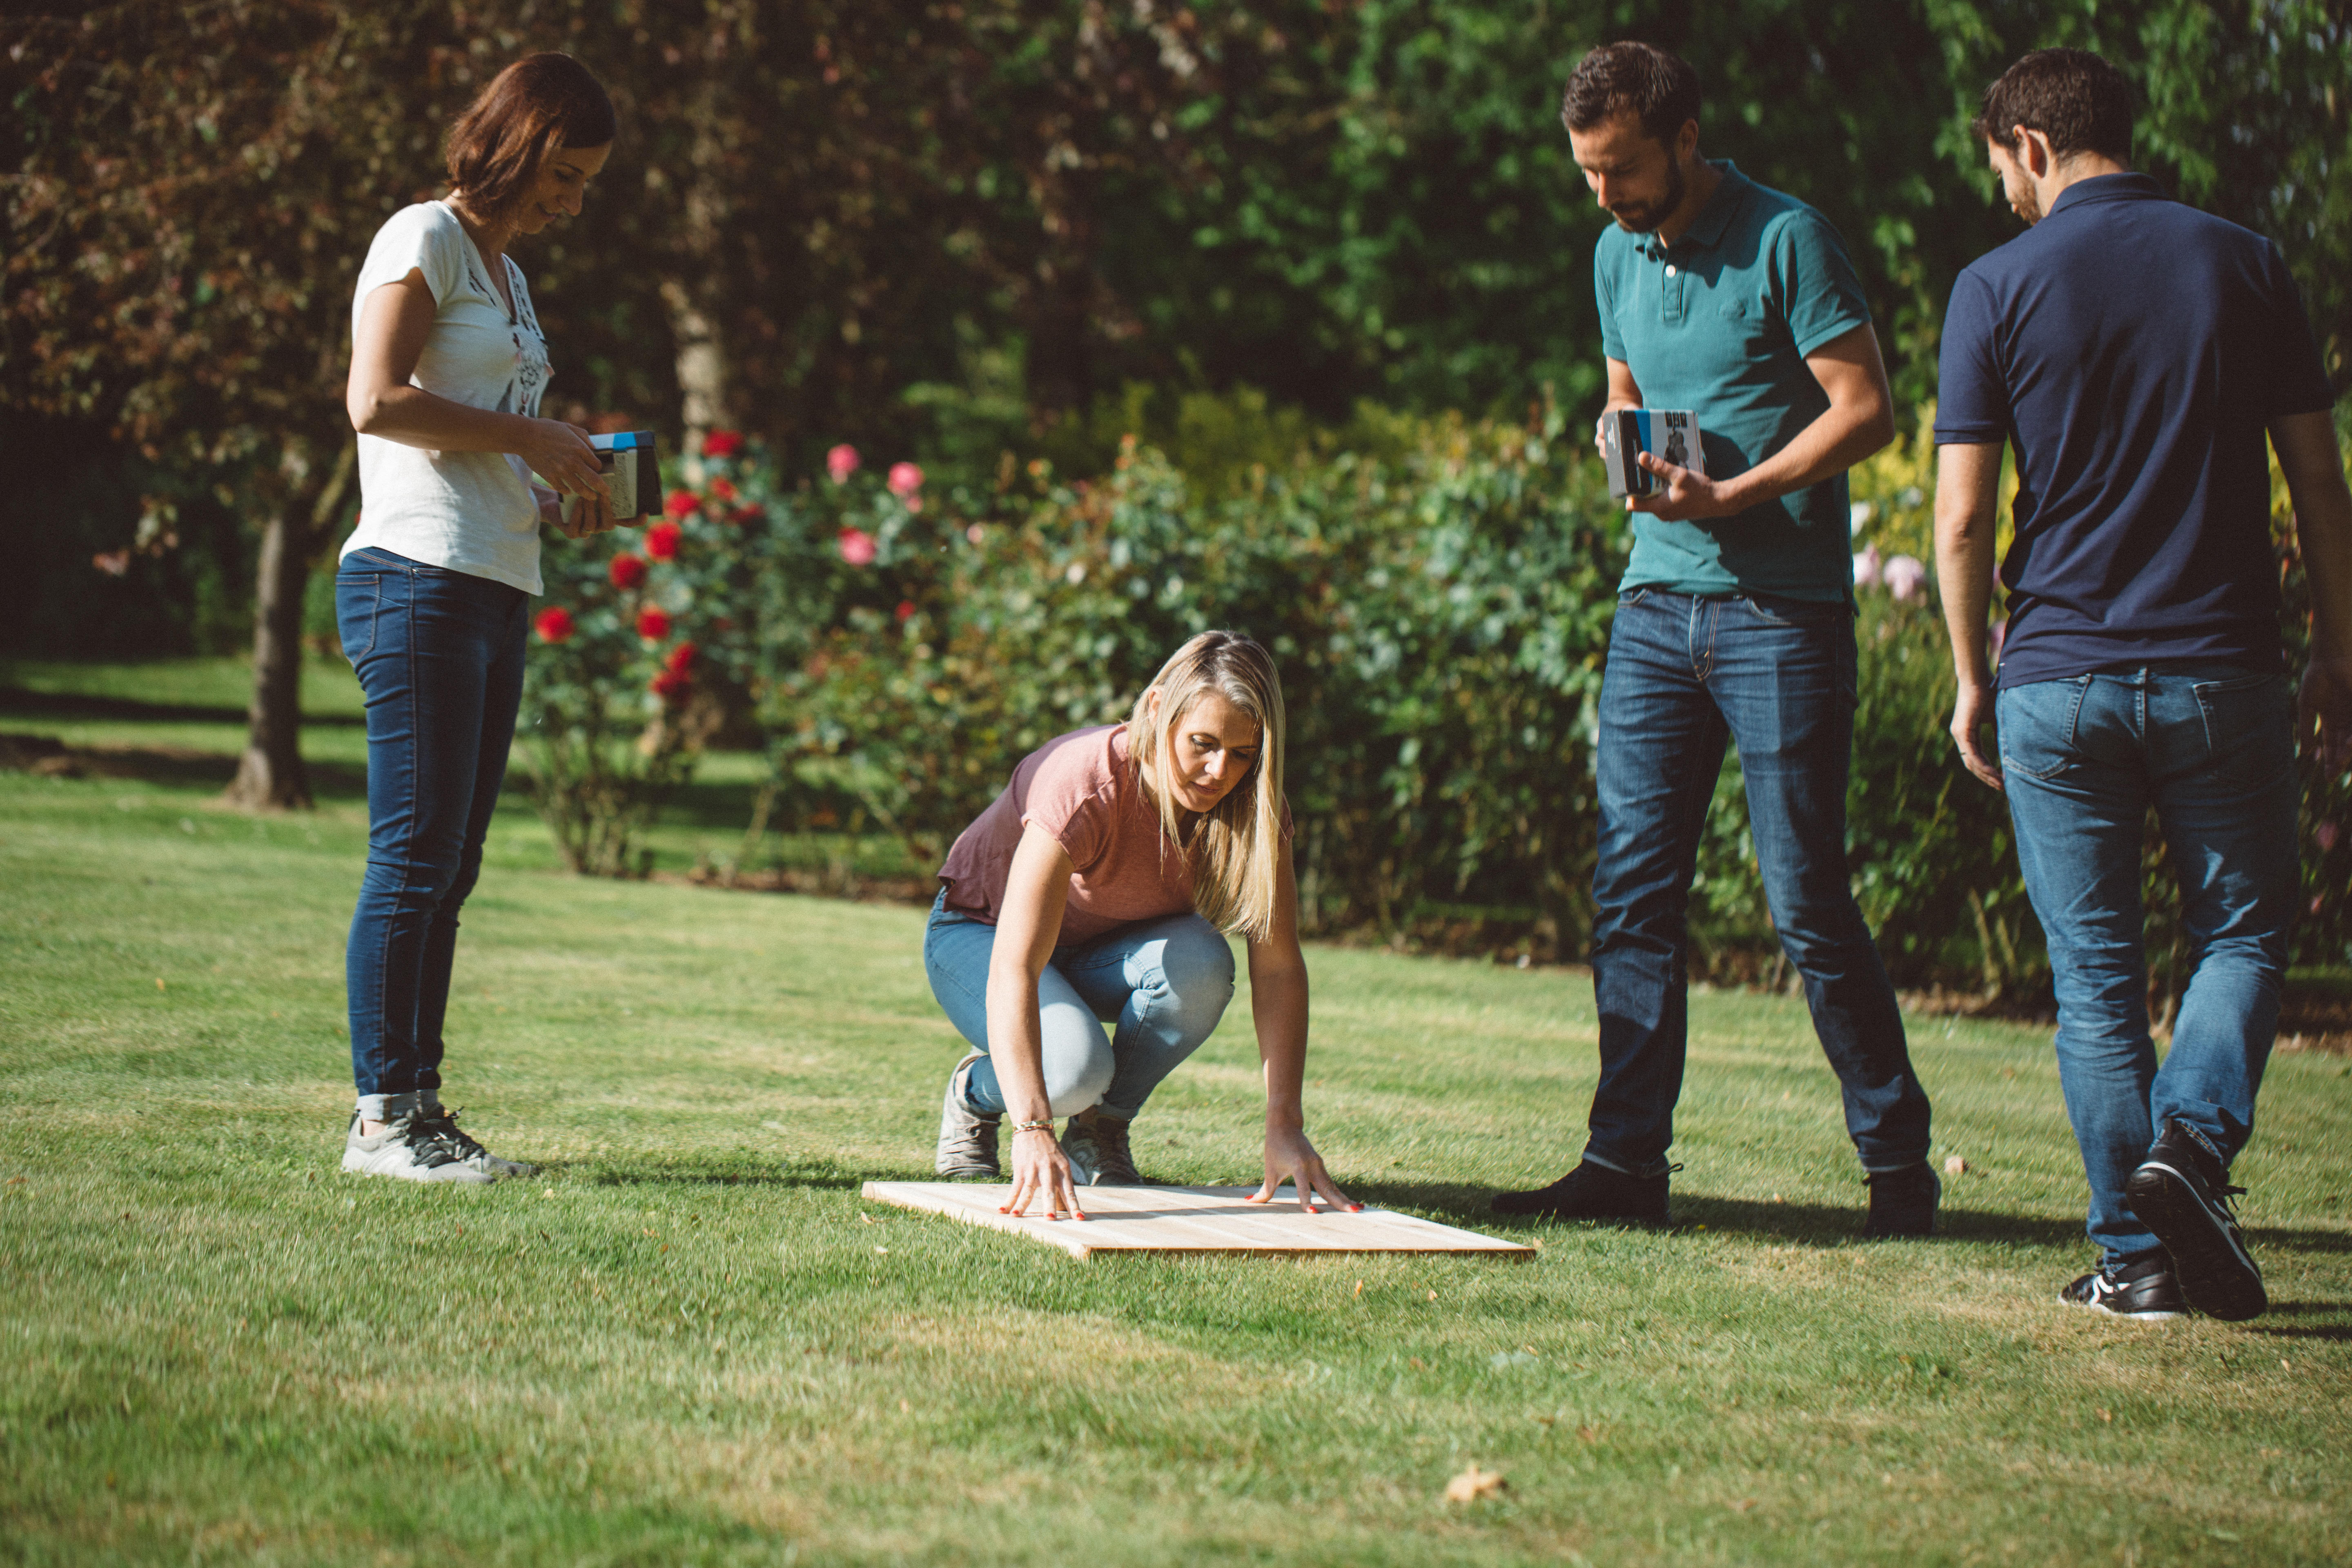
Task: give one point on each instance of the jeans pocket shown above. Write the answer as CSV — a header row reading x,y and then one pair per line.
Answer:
x,y
2249,727
358,601
2034,725
1773,609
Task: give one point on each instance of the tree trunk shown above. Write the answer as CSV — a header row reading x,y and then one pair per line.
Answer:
x,y
701,366
270,775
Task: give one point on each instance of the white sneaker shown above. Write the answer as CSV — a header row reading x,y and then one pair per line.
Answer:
x,y
443,1124
408,1150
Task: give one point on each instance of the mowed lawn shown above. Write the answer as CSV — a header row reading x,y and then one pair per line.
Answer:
x,y
691,1341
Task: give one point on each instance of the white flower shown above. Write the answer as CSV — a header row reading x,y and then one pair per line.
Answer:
x,y
1865,568
1906,577
1858,516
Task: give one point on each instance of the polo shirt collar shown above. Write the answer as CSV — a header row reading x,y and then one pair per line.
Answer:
x,y
2130,187
1707,229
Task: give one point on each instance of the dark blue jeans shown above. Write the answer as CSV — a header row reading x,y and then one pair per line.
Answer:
x,y
2213,751
439,657
1777,677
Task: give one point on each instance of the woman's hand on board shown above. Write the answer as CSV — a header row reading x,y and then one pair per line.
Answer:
x,y
1040,1170
1290,1158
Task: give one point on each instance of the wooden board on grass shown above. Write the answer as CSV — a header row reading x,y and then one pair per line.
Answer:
x,y
1191,1219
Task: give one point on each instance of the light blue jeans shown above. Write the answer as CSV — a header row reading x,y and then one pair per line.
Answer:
x,y
1163,984
2212,750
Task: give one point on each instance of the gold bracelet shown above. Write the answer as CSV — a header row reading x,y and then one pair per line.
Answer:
x,y
1044,1126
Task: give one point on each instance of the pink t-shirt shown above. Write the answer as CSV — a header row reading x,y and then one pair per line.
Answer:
x,y
1082,788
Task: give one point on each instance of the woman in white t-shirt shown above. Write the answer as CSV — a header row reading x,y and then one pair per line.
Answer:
x,y
431,599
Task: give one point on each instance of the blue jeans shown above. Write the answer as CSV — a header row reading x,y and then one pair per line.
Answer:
x,y
439,657
2212,750
1164,985
1777,676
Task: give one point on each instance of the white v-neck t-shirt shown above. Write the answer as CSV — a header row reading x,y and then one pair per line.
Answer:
x,y
469,511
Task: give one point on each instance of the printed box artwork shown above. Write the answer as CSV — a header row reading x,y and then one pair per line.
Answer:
x,y
1670,433
633,474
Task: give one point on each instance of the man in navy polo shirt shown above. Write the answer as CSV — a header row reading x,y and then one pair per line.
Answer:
x,y
2135,352
1735,621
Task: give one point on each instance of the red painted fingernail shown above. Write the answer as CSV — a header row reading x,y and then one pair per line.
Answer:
x,y
1355,1208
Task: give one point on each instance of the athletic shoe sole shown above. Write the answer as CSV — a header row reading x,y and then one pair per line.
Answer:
x,y
2216,1273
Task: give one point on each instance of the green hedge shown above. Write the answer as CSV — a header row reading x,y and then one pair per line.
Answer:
x,y
1440,610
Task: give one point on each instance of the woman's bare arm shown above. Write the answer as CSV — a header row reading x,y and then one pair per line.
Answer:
x,y
1028,924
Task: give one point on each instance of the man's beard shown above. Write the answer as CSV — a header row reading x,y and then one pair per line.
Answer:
x,y
1645,218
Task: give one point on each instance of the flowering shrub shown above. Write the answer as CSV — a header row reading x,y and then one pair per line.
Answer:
x,y
1440,611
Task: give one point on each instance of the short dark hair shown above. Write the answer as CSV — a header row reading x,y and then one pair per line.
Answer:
x,y
535,106
1616,78
2071,96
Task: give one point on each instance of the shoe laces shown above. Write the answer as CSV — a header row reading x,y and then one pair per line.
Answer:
x,y
1112,1156
426,1144
442,1125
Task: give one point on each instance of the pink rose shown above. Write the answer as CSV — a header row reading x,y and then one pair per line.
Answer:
x,y
904,479
841,462
856,546
2325,834
1865,568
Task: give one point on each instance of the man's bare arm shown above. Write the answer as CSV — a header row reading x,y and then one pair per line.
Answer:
x,y
1968,486
2314,466
1859,420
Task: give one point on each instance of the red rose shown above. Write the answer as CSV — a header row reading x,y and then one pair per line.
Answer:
x,y
906,611
669,685
681,660
720,490
904,479
841,462
653,625
681,503
627,571
661,541
722,443
747,513
554,623
856,546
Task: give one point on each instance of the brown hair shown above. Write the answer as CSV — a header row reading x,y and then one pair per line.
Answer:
x,y
2071,96
535,106
1659,87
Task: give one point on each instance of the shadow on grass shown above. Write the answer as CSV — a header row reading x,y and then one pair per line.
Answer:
x,y
1818,1225
719,1170
74,705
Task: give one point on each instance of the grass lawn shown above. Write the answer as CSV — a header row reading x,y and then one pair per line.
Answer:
x,y
691,1343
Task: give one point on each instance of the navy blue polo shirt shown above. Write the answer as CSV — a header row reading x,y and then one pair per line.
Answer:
x,y
1720,322
2132,350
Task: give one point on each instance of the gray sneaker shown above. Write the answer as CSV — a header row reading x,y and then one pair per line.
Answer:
x,y
443,1124
408,1150
967,1139
1097,1148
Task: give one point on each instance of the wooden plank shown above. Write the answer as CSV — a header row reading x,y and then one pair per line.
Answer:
x,y
1191,1219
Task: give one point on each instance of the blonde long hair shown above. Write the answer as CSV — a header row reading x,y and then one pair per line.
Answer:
x,y
1236,849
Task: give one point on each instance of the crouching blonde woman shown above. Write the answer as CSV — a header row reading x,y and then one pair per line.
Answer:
x,y
1098,888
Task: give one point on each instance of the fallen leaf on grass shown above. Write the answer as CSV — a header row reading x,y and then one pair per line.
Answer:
x,y
2106,1415
1590,1434
1474,1484
1956,1166
1743,1505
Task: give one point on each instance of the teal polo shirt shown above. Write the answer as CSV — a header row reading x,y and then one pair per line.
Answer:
x,y
1720,324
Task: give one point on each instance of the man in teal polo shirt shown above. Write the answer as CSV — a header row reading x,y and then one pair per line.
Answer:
x,y
1735,621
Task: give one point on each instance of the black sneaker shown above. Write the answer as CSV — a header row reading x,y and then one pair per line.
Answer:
x,y
2141,1286
1902,1202
1594,1192
2181,1193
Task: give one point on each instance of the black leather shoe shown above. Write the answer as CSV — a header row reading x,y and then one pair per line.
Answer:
x,y
1594,1192
2141,1286
2181,1192
1902,1202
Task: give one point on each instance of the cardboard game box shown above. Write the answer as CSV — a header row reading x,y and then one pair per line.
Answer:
x,y
1672,433
632,474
